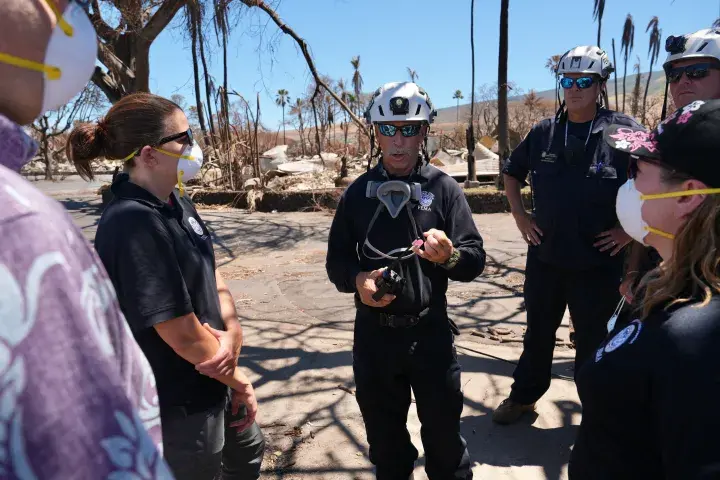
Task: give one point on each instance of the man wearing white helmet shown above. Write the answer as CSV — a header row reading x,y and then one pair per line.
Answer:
x,y
400,232
573,234
692,71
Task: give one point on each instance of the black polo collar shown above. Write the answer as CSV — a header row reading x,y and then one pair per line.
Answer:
x,y
122,187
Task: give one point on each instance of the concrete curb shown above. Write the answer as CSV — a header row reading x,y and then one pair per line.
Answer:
x,y
480,201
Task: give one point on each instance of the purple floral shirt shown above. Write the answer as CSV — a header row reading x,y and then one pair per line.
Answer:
x,y
77,395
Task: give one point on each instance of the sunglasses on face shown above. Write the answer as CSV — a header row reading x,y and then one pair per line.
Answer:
x,y
187,135
693,72
406,130
582,82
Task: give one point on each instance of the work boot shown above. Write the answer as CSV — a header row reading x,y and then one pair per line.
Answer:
x,y
509,411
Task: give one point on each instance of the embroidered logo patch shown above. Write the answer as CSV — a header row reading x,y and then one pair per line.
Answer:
x,y
627,335
196,226
426,199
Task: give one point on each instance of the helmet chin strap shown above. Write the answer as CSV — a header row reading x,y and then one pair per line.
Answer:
x,y
665,101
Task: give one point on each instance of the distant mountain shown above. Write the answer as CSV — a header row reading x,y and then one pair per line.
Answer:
x,y
657,87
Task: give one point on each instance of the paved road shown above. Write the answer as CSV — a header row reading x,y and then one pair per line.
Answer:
x,y
299,349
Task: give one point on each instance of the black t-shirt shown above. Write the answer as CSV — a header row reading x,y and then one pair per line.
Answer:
x,y
160,259
650,400
580,131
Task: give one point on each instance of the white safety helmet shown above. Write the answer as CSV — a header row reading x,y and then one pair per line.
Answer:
x,y
400,102
702,44
586,59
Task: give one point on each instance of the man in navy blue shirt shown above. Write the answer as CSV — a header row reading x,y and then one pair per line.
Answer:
x,y
573,236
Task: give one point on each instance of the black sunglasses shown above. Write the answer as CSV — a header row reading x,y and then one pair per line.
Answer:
x,y
177,136
582,82
406,130
693,72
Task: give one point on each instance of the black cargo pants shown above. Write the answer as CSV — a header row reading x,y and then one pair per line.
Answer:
x,y
201,445
388,363
591,296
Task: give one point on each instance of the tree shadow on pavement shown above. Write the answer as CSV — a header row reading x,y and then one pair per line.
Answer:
x,y
257,233
523,443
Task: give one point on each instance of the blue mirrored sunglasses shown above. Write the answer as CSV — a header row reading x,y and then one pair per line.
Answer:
x,y
582,82
406,130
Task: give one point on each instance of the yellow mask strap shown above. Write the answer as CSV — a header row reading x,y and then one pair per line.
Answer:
x,y
52,73
681,193
660,233
181,186
134,152
62,23
186,157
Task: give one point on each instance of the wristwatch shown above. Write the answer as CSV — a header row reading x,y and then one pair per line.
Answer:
x,y
452,261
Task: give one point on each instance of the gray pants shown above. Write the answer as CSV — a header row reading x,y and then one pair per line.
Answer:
x,y
199,446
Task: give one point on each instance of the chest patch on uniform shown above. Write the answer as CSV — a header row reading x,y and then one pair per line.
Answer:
x,y
195,226
426,199
548,157
627,335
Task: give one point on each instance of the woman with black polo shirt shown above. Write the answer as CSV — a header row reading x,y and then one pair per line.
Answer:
x,y
159,256
650,392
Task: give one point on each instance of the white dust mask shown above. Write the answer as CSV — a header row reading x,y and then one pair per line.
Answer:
x,y
629,203
191,160
69,58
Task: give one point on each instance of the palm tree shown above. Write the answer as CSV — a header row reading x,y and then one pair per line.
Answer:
x,y
413,74
615,74
297,109
503,140
357,80
552,64
192,19
598,12
627,45
654,53
281,100
458,96
635,96
344,98
470,133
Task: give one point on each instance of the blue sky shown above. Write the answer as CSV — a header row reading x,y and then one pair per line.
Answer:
x,y
429,36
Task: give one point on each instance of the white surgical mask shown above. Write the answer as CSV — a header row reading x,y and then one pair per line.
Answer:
x,y
628,207
191,161
69,59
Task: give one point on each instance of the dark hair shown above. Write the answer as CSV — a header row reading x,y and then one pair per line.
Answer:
x,y
134,121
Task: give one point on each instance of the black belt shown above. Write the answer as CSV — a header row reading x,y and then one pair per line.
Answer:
x,y
391,320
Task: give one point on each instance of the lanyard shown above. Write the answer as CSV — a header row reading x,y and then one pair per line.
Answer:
x,y
567,123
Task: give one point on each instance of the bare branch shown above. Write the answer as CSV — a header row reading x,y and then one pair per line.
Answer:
x,y
104,31
114,64
162,17
106,83
308,58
